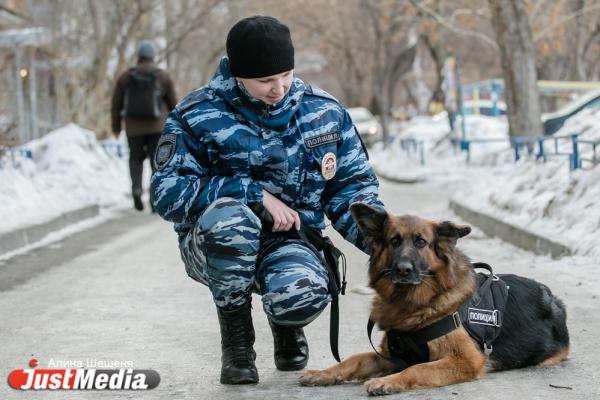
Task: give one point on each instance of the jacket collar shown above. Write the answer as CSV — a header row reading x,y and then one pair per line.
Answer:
x,y
145,66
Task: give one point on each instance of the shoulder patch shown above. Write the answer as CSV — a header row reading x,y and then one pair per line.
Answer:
x,y
195,97
320,92
323,138
165,150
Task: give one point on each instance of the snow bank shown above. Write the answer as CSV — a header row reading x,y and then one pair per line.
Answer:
x,y
545,198
69,169
442,161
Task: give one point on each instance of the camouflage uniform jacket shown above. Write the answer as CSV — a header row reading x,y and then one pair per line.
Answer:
x,y
220,142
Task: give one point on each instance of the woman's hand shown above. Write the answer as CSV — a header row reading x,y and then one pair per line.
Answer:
x,y
283,216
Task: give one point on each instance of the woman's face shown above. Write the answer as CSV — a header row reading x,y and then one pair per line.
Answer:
x,y
270,89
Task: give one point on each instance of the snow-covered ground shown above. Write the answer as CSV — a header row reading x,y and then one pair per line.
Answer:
x,y
546,198
69,169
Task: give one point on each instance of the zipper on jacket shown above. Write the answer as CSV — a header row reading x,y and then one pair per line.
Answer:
x,y
302,156
306,162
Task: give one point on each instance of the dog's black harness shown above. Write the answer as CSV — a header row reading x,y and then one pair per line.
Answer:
x,y
481,315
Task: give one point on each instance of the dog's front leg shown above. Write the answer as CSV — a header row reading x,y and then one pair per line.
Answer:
x,y
358,367
447,371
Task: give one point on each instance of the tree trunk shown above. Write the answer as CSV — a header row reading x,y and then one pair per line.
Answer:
x,y
517,54
438,54
423,92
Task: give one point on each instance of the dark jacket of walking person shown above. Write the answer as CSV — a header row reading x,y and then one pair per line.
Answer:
x,y
143,96
257,142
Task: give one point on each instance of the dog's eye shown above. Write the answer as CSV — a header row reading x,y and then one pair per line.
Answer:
x,y
420,242
395,241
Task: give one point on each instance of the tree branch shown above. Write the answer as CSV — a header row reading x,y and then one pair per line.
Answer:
x,y
466,11
442,21
540,35
175,43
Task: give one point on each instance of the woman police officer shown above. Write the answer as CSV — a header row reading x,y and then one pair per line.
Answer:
x,y
256,137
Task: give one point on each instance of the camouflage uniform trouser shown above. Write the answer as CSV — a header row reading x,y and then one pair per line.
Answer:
x,y
224,252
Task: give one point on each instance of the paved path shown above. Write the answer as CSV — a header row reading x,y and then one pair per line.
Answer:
x,y
119,292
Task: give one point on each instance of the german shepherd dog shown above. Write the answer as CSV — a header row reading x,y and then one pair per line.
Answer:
x,y
420,277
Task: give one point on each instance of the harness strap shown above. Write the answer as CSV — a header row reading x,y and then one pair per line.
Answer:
x,y
398,362
415,342
314,240
318,243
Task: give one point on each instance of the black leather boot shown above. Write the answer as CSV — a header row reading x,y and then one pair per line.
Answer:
x,y
137,199
291,347
237,339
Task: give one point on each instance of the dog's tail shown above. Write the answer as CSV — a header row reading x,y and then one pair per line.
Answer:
x,y
557,313
557,317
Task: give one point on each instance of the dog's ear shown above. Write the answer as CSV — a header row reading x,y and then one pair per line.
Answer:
x,y
370,221
449,231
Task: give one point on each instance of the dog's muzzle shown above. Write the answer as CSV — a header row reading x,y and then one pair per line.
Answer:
x,y
405,272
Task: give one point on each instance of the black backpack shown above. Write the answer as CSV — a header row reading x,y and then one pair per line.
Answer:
x,y
142,95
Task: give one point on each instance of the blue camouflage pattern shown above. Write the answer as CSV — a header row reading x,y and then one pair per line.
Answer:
x,y
221,251
228,145
292,281
224,252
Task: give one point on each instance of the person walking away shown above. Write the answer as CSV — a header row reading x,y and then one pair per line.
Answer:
x,y
450,89
258,142
143,96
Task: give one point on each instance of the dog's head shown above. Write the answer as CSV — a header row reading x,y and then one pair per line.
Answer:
x,y
410,254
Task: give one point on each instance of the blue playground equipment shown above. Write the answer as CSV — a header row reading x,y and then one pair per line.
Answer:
x,y
14,153
553,94
413,146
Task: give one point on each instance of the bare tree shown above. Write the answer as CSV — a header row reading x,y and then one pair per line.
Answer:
x,y
364,48
392,53
517,55
96,41
462,29
368,46
329,31
567,37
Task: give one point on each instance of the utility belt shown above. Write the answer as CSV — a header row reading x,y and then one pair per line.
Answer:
x,y
328,254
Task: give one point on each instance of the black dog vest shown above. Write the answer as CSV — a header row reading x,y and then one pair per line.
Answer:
x,y
481,315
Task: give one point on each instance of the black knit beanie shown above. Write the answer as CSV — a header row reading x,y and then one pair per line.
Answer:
x,y
259,46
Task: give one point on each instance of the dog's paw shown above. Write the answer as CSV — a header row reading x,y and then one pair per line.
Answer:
x,y
380,386
318,378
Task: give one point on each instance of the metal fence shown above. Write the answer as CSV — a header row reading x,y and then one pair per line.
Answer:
x,y
580,153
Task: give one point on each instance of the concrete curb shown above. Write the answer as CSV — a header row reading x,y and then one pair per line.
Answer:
x,y
510,233
14,240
